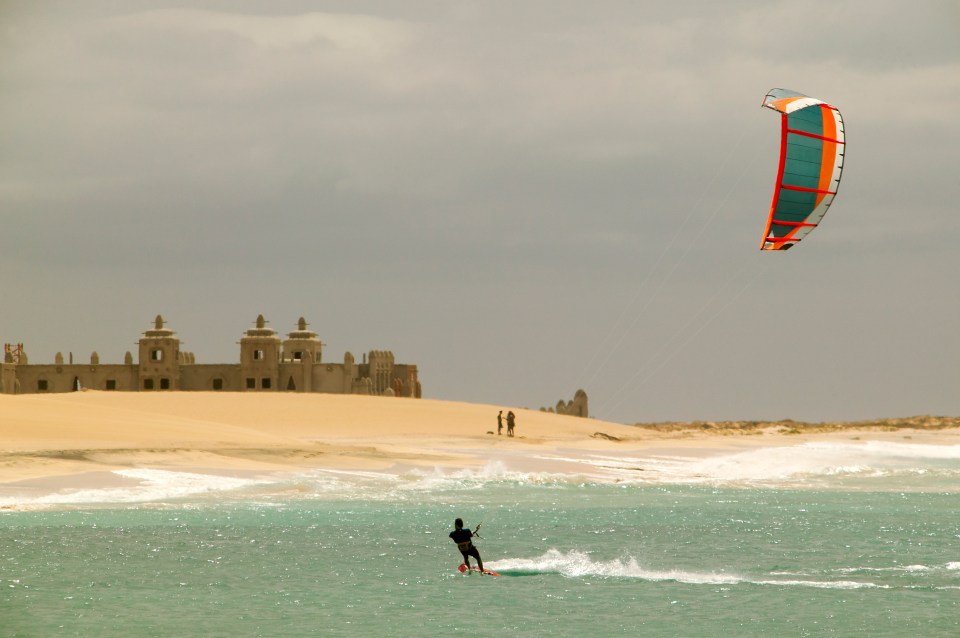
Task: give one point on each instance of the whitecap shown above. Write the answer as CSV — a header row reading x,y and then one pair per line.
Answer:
x,y
577,564
151,485
792,465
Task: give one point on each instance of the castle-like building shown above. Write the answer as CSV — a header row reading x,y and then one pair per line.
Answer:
x,y
578,406
267,364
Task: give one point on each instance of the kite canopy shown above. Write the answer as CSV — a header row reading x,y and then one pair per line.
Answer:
x,y
811,160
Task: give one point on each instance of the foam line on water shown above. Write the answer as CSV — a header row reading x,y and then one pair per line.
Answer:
x,y
807,461
880,570
820,459
493,471
811,464
152,485
410,483
576,564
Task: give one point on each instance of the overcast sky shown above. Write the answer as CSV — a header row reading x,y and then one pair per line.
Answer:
x,y
523,198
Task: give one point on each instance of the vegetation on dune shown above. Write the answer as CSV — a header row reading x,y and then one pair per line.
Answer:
x,y
789,426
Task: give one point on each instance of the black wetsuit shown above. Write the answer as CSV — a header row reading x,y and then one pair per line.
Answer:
x,y
462,538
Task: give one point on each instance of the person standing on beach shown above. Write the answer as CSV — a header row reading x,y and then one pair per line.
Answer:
x,y
462,538
511,421
500,423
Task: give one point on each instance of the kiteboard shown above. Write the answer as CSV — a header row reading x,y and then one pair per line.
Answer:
x,y
464,570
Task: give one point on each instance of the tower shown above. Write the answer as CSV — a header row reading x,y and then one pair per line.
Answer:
x,y
301,347
259,358
159,367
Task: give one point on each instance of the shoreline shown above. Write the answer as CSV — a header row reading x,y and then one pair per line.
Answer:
x,y
80,441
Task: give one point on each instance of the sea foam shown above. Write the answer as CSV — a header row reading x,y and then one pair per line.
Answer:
x,y
577,564
813,462
152,485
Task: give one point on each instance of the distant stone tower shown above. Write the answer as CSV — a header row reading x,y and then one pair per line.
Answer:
x,y
260,358
577,407
302,347
159,356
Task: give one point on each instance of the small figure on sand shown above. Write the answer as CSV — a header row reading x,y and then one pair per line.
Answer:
x,y
462,538
500,423
511,421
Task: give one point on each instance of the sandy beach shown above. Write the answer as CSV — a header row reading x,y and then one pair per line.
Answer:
x,y
57,441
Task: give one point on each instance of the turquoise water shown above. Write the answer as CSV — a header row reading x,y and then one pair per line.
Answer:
x,y
871,549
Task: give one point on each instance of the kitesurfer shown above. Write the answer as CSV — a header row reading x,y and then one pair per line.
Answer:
x,y
462,538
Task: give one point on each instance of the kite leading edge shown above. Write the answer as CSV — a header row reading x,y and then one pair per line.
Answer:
x,y
811,160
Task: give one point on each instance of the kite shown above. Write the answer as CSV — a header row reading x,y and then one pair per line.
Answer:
x,y
811,160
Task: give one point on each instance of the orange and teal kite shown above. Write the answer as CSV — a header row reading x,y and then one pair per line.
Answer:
x,y
811,160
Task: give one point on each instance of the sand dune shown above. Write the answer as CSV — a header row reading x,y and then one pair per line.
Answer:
x,y
69,435
44,435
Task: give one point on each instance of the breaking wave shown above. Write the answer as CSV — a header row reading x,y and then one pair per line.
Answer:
x,y
576,564
815,463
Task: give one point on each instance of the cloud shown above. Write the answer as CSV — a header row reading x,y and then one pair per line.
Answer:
x,y
449,160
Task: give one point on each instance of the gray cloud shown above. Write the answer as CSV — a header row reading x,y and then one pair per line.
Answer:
x,y
520,197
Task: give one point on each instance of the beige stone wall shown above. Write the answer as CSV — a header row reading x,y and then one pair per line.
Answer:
x,y
8,379
210,377
406,381
331,378
63,378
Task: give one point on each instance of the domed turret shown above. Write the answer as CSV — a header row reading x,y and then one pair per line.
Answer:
x,y
159,358
260,357
302,346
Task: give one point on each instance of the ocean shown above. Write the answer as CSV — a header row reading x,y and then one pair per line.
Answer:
x,y
819,539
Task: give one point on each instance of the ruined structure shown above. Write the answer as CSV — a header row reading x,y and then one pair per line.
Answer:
x,y
267,364
576,407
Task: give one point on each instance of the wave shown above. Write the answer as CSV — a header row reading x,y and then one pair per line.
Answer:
x,y
150,485
407,484
814,462
873,465
892,570
576,564
158,486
